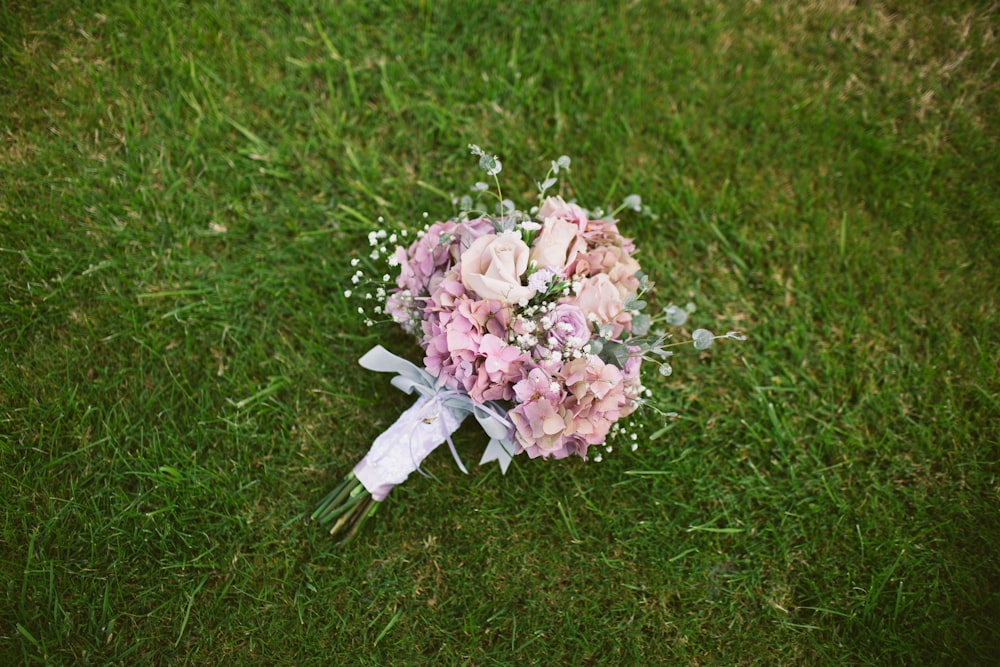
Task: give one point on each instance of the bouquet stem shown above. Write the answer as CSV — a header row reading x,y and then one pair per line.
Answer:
x,y
396,453
347,507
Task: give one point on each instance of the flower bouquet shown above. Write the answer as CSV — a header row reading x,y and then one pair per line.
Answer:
x,y
531,322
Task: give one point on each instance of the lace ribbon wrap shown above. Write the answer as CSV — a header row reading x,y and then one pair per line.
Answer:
x,y
429,423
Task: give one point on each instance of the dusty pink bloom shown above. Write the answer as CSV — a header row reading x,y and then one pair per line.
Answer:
x,y
558,414
555,207
501,361
557,244
451,343
601,301
596,397
429,256
447,293
605,232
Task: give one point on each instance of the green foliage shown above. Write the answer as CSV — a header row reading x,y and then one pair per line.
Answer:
x,y
182,186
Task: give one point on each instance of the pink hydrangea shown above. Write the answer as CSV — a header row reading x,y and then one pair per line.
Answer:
x,y
539,415
558,414
454,328
595,396
498,369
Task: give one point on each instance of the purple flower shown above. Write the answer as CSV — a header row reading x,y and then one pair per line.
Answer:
x,y
539,280
567,329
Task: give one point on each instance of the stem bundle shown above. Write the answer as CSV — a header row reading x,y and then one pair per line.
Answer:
x,y
347,507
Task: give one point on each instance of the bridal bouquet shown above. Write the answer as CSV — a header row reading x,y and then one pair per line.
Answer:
x,y
531,322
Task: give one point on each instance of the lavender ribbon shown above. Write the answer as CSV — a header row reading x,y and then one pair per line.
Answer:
x,y
431,421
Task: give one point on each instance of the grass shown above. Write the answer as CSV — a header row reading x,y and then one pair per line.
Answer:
x,y
183,184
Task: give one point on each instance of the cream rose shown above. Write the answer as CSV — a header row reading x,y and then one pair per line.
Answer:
x,y
493,265
557,244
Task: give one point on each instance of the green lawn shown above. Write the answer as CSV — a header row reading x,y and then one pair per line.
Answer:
x,y
183,184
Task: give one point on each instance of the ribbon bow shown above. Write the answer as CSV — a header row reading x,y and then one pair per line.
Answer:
x,y
411,378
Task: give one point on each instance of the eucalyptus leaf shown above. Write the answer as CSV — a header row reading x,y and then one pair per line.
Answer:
x,y
641,324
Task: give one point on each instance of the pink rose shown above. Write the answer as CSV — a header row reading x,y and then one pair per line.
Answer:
x,y
599,297
557,244
555,207
493,265
614,261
